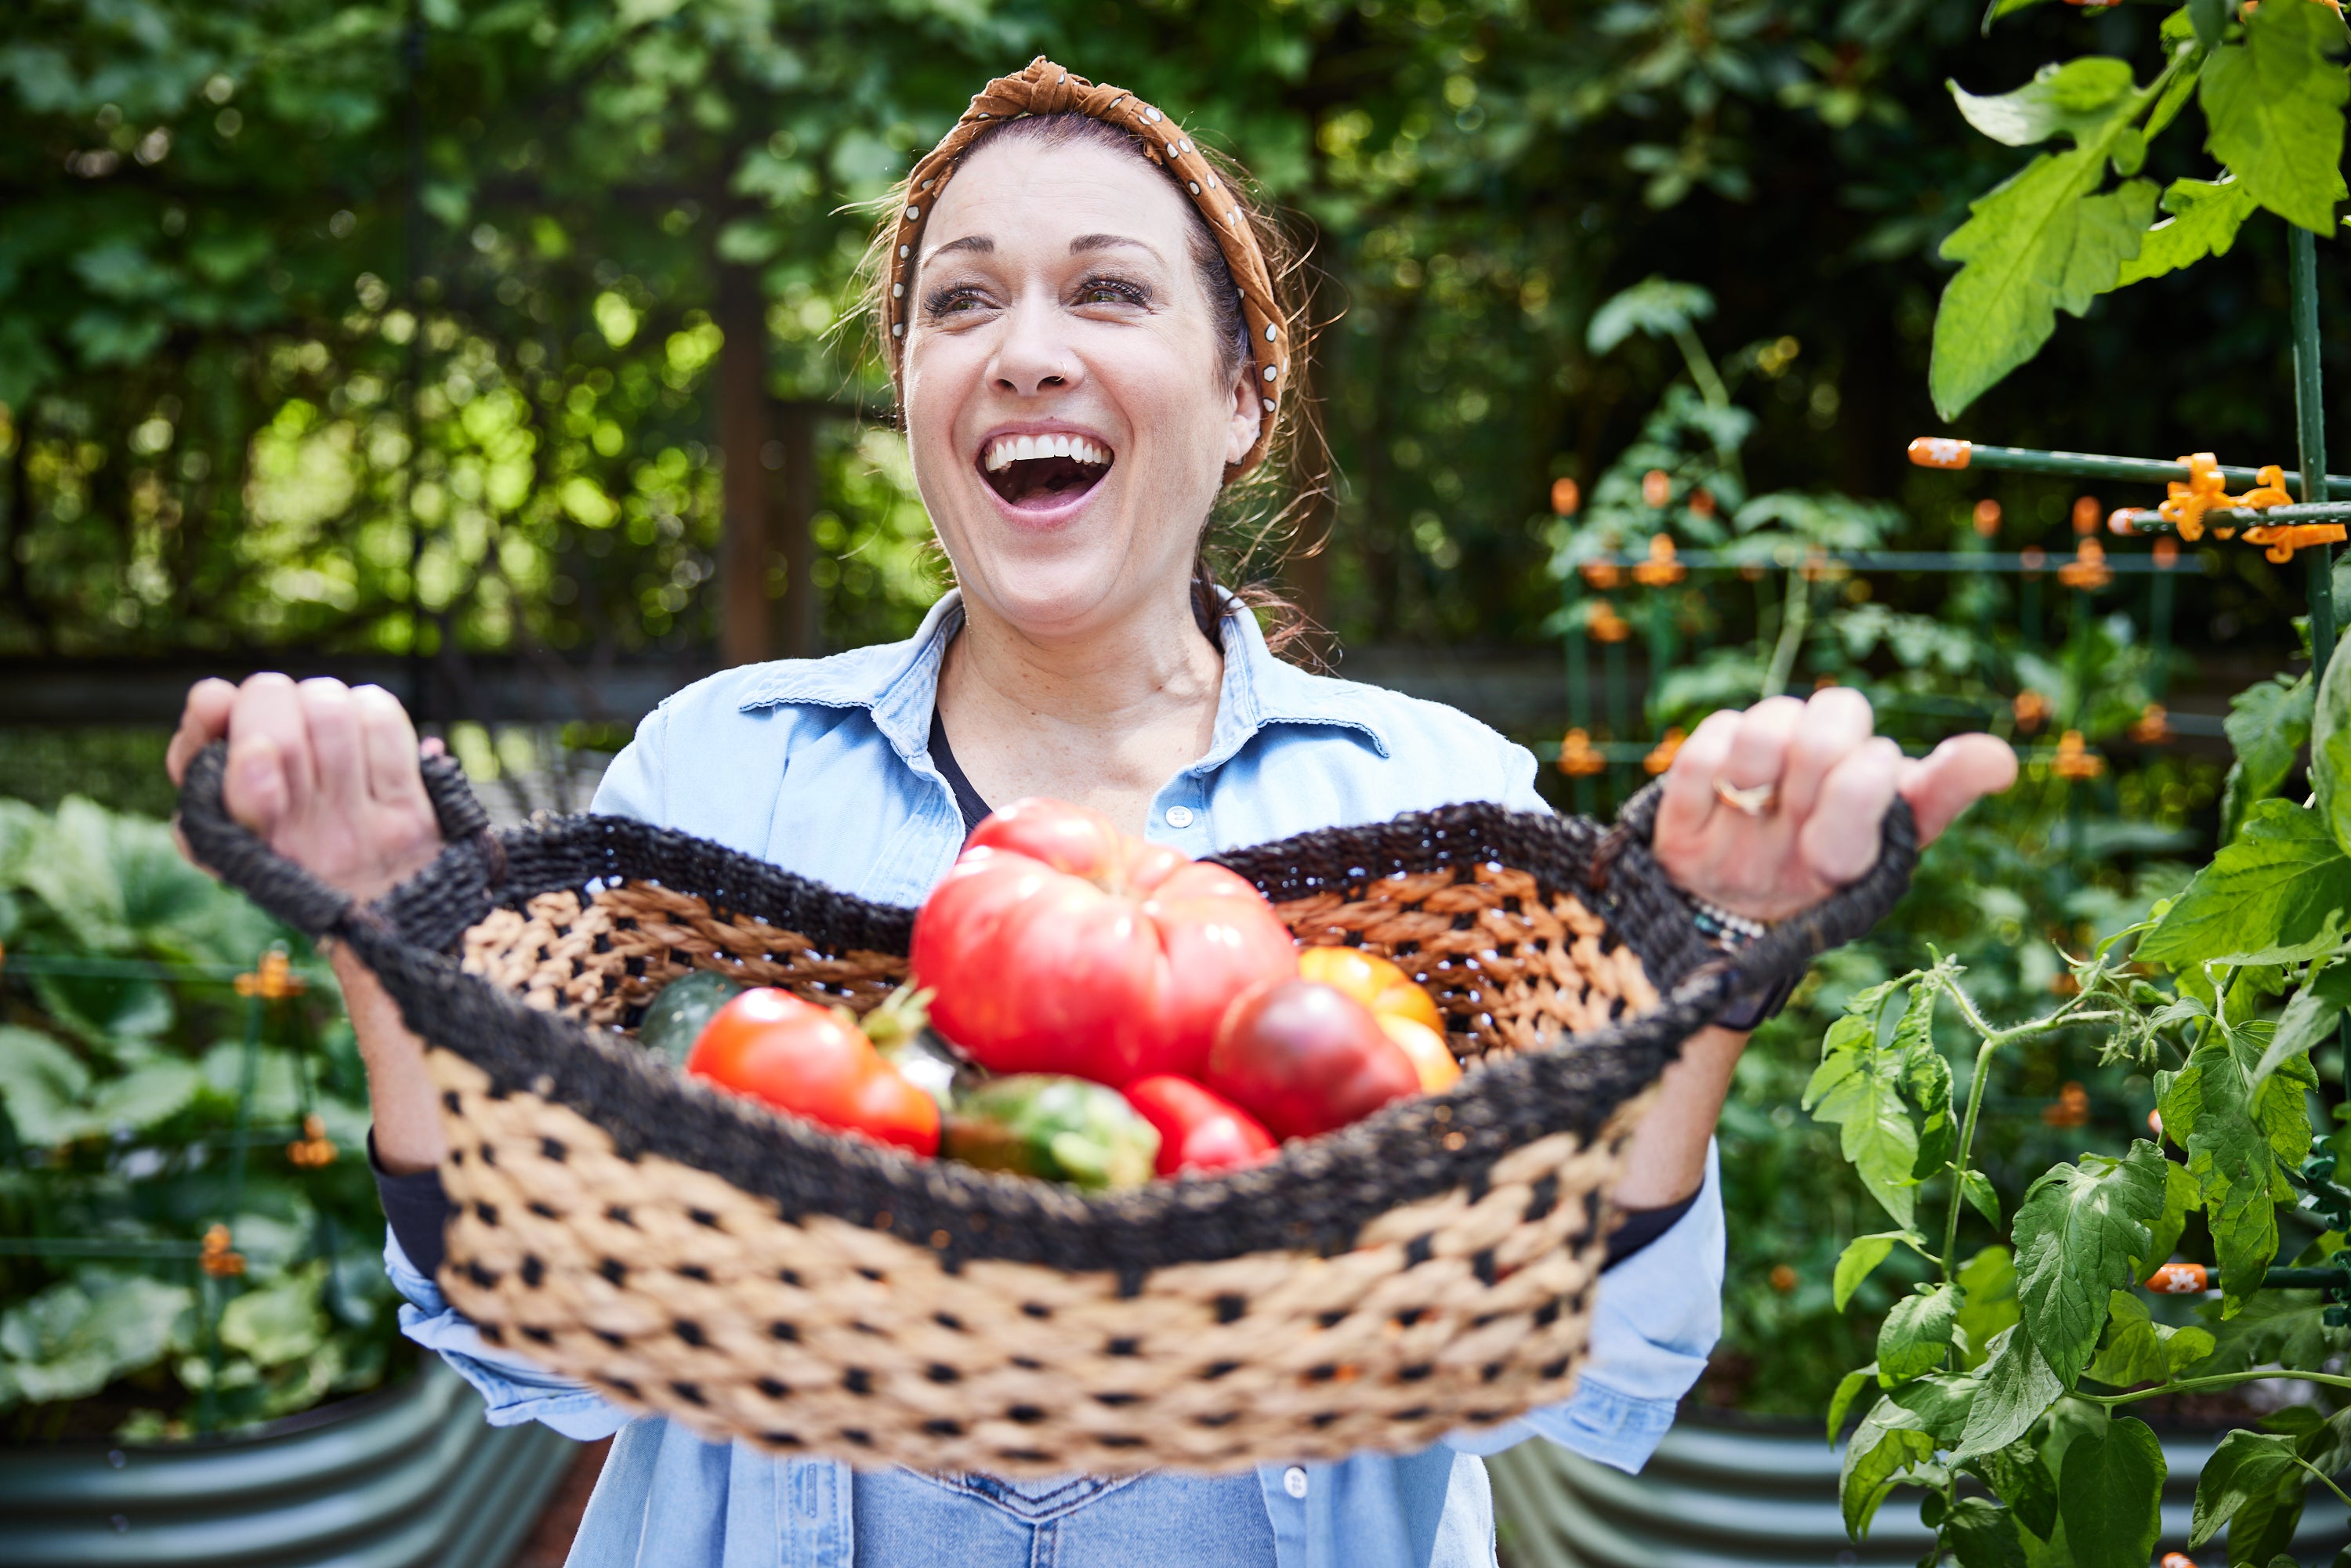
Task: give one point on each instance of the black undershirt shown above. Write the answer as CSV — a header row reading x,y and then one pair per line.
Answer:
x,y
968,800
417,1207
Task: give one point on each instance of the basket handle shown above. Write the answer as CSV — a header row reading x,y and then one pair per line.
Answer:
x,y
238,856
1782,951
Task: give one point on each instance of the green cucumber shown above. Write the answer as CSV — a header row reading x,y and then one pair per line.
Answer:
x,y
682,1010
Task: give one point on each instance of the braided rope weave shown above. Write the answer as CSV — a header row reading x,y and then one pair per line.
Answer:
x,y
689,1252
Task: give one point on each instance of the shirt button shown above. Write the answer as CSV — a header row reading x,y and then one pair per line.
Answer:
x,y
1293,1481
1181,817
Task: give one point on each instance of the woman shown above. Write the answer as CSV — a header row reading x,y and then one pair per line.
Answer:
x,y
1089,349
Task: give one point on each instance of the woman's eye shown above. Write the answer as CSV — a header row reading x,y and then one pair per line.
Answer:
x,y
953,301
1109,291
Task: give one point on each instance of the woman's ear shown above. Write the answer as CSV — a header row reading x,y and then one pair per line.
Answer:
x,y
1247,417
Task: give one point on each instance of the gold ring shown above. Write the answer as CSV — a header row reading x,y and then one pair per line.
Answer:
x,y
1754,800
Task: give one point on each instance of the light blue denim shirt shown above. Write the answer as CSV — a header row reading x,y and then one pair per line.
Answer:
x,y
824,766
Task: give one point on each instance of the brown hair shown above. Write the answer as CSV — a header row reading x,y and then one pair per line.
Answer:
x,y
1267,496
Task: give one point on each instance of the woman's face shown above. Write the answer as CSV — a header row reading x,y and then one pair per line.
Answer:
x,y
1067,401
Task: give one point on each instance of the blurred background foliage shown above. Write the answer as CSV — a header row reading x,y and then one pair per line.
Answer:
x,y
365,327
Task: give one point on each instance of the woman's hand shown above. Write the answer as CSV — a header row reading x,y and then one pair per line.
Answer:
x,y
326,775
1818,783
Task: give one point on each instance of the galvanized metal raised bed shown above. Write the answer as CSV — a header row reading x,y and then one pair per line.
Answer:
x,y
409,1478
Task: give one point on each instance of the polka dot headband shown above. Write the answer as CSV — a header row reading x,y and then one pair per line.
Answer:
x,y
1046,89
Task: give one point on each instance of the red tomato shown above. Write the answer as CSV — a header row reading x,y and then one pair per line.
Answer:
x,y
1198,1130
804,1059
1305,1058
1055,945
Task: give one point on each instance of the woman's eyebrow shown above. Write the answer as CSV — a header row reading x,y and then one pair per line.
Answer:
x,y
1085,242
980,245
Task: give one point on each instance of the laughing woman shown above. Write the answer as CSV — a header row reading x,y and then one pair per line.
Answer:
x,y
1091,350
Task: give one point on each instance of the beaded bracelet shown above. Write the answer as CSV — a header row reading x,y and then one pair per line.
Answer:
x,y
1730,932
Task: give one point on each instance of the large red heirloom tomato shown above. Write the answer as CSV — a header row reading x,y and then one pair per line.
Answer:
x,y
1057,944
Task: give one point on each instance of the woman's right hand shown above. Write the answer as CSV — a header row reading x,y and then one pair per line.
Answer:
x,y
325,774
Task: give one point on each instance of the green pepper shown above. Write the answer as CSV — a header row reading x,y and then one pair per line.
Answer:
x,y
1062,1129
682,1010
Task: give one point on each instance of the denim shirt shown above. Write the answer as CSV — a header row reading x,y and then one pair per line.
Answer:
x,y
824,766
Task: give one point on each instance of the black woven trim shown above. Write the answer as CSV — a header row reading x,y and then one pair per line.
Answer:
x,y
1317,1195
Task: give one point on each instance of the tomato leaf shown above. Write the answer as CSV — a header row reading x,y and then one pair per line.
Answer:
x,y
2274,106
2016,1387
2277,895
2109,1493
2268,723
1988,1301
2330,752
2081,1233
2039,243
2178,1196
1941,1401
1848,1389
1981,1535
2022,1477
2076,98
2287,1327
1861,1255
2310,1019
1976,1188
1917,1334
2205,217
1926,1085
1859,1088
1889,1440
2245,1466
2237,1136
2211,19
2137,1349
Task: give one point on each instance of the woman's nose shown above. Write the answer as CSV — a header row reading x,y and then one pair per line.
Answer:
x,y
1034,355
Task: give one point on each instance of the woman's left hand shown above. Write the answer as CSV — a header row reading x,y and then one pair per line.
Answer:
x,y
1815,783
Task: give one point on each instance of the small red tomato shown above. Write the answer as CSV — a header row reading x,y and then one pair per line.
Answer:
x,y
1198,1131
1305,1058
813,1062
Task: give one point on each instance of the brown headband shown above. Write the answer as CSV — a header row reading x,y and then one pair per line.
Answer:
x,y
1046,89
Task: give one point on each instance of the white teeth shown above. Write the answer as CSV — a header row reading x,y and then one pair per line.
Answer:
x,y
1007,450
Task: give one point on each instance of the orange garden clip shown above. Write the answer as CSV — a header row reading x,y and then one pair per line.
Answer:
x,y
2196,495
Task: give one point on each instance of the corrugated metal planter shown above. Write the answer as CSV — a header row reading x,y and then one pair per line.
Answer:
x,y
409,1477
1723,1496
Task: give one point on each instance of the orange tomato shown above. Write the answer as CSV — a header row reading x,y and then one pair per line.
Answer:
x,y
1431,1058
1372,980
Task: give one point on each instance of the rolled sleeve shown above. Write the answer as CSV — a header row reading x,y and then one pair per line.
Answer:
x,y
1657,1318
515,1390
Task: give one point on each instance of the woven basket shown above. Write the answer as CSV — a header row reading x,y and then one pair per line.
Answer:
x,y
687,1251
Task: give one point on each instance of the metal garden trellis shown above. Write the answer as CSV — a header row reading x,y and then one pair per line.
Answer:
x,y
213,1264
1595,620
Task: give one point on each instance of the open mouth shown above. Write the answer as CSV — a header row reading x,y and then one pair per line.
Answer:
x,y
1040,472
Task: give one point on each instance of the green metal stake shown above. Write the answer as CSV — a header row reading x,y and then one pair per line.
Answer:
x,y
1943,451
1579,682
2310,436
1661,644
2158,617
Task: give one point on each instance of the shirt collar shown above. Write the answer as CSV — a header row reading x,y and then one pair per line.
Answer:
x,y
899,683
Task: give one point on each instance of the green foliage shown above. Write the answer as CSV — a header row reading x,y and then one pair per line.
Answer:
x,y
1917,1334
2110,1495
2275,104
2056,235
120,1095
2268,723
2276,894
2046,240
